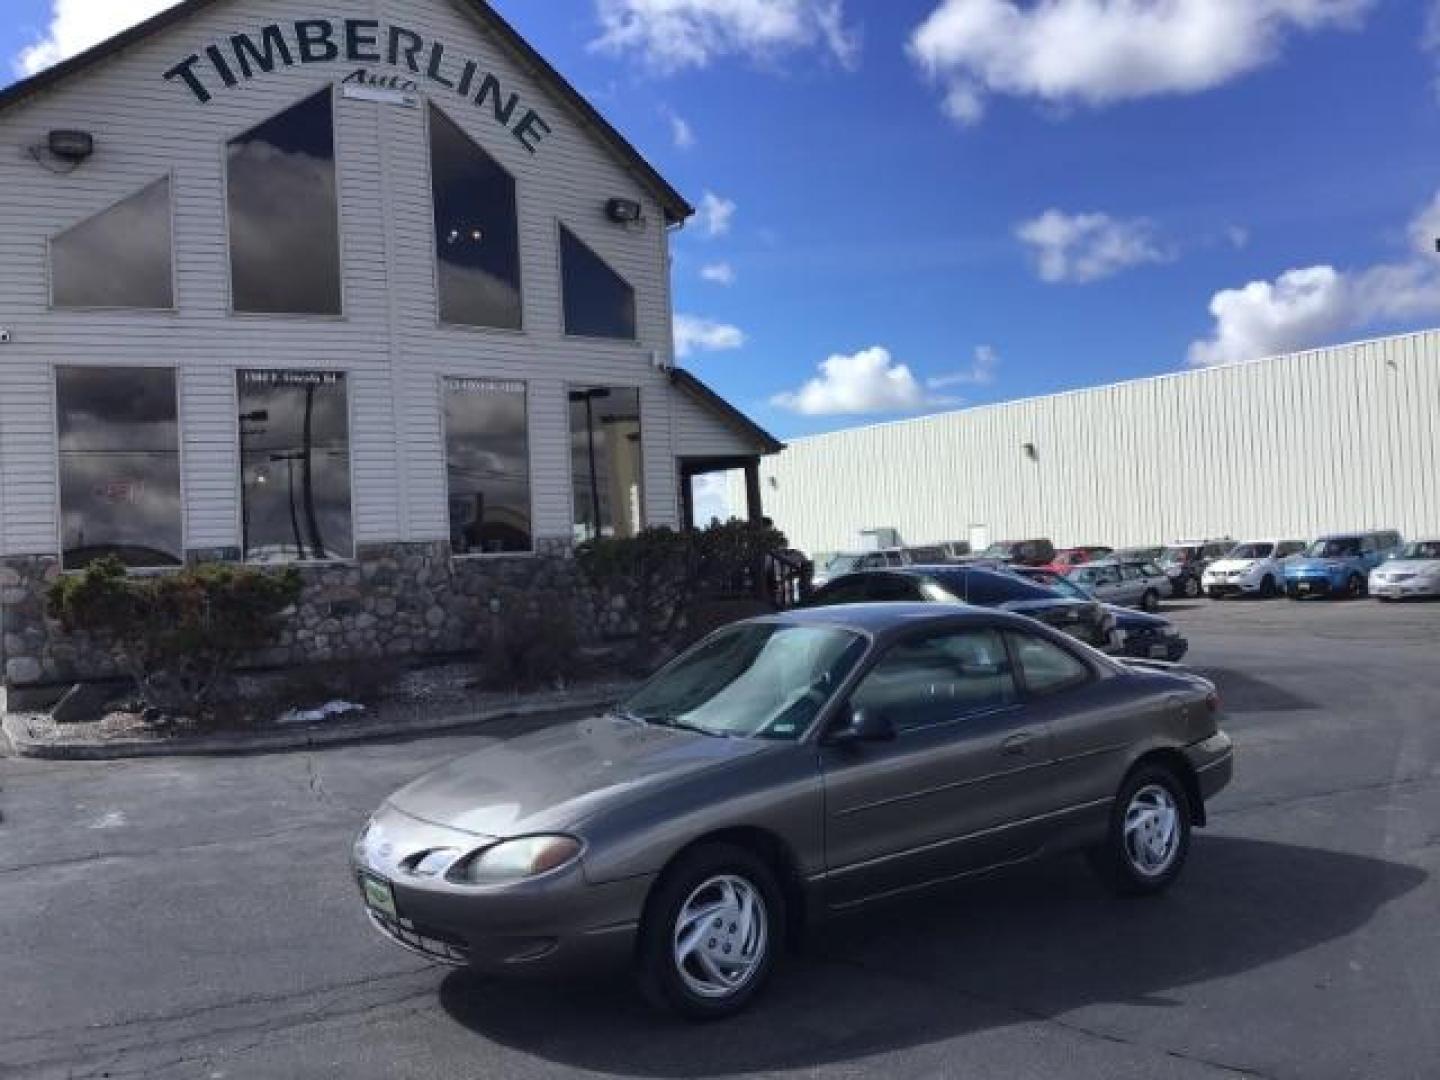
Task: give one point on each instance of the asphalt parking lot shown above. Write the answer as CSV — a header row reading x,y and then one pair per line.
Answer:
x,y
195,918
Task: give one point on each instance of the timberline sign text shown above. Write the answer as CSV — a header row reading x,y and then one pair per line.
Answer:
x,y
357,41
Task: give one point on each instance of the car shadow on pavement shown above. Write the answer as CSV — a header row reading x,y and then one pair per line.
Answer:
x,y
1245,693
1032,944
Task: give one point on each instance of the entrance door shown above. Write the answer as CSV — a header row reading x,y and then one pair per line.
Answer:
x,y
979,538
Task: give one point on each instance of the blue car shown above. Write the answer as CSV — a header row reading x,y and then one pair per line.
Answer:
x,y
1338,565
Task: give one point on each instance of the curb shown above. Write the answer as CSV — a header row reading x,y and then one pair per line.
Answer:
x,y
23,744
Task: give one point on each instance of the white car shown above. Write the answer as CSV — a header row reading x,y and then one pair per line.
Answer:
x,y
1414,570
1256,568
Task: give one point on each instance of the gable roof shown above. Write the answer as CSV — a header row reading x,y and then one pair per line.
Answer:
x,y
765,443
677,209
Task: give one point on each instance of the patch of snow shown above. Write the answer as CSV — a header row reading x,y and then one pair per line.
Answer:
x,y
329,711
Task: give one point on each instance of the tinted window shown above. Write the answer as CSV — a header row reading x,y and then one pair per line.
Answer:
x,y
988,589
606,461
598,301
284,223
1291,548
295,462
487,466
887,588
1131,573
1047,668
845,591
120,258
939,679
119,466
477,240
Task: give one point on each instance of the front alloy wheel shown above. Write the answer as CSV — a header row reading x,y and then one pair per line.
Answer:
x,y
1192,587
1149,833
1150,601
709,936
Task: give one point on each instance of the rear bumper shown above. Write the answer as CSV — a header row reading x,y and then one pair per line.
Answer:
x,y
1214,763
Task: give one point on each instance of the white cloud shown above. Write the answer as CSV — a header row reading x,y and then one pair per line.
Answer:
x,y
670,35
694,334
718,273
870,381
1237,236
981,371
681,133
1304,307
715,214
1080,248
1097,52
75,25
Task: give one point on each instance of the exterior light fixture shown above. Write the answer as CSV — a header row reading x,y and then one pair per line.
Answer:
x,y
71,146
624,211
1030,451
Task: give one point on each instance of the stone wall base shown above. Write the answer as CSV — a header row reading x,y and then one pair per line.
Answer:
x,y
394,601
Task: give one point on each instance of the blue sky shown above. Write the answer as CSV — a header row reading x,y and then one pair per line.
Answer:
x,y
965,201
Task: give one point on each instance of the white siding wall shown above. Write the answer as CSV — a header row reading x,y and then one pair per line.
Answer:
x,y
1330,439
388,340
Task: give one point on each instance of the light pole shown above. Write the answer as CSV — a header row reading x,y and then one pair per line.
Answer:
x,y
588,396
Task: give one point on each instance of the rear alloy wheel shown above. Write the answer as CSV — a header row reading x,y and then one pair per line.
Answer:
x,y
1150,601
1149,834
710,933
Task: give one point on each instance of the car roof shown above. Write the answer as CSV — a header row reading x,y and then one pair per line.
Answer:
x,y
884,618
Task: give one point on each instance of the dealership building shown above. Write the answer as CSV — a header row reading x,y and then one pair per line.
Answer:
x,y
1287,447
365,288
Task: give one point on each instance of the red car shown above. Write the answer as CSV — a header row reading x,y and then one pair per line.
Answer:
x,y
1068,558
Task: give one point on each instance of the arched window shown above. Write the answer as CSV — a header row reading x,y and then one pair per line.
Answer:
x,y
284,214
598,301
120,258
477,237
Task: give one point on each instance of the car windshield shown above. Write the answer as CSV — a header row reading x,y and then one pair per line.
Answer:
x,y
1061,585
755,680
1176,556
1422,549
997,551
1251,551
1339,547
842,564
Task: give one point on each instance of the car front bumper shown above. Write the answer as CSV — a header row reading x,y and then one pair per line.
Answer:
x,y
1299,587
1411,588
1230,586
552,924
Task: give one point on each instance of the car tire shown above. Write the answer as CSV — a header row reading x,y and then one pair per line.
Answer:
x,y
1150,601
1149,834
695,985
1354,587
1267,588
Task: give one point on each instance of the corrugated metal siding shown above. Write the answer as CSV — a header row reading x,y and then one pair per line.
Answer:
x,y
1339,438
388,340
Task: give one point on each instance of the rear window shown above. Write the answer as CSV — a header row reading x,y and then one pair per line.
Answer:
x,y
987,588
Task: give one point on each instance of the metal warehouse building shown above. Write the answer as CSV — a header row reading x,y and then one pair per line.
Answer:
x,y
367,288
1338,438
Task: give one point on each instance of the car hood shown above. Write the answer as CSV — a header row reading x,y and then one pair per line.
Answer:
x,y
1411,566
1322,566
557,776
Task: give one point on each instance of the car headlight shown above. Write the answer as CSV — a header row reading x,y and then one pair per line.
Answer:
x,y
515,860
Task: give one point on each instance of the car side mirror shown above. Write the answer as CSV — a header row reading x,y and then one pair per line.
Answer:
x,y
855,726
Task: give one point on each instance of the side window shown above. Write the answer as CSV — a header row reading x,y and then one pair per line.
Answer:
x,y
889,588
1131,573
1367,545
1045,667
120,258
1286,550
844,591
598,302
939,679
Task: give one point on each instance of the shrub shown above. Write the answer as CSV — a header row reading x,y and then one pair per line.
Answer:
x,y
532,651
662,574
177,636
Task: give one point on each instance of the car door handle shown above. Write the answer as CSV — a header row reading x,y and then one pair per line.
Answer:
x,y
1017,745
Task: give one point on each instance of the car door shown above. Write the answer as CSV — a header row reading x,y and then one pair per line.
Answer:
x,y
954,789
1132,586
1107,585
1090,728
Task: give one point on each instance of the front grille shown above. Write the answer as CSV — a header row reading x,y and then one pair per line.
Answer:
x,y
423,939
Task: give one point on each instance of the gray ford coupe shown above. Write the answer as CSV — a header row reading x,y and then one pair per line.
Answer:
x,y
786,770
